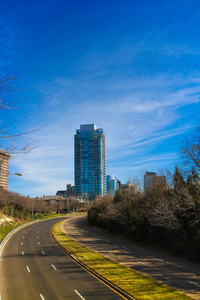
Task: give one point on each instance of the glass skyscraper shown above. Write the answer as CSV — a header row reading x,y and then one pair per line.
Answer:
x,y
89,162
111,184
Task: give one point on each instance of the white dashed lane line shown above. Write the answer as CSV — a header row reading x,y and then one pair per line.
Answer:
x,y
79,295
193,283
22,252
54,267
28,269
41,296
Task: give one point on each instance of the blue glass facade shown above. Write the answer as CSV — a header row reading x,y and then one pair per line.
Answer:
x,y
89,162
111,184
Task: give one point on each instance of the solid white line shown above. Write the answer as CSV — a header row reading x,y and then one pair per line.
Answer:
x,y
54,267
79,295
42,297
193,283
22,252
28,269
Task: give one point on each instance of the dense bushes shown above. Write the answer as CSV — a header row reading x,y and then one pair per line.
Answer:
x,y
169,218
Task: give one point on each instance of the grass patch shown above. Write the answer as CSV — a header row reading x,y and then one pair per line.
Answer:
x,y
134,283
8,226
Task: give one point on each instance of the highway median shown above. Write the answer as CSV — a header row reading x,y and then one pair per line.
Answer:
x,y
132,284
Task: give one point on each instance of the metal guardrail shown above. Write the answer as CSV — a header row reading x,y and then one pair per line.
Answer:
x,y
10,233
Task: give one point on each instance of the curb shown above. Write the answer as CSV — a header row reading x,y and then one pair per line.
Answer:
x,y
111,285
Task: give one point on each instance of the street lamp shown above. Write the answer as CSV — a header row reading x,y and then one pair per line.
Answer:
x,y
17,174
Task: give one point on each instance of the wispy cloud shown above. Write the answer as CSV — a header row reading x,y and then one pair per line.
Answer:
x,y
139,81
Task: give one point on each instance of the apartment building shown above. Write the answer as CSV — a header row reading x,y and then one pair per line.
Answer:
x,y
89,162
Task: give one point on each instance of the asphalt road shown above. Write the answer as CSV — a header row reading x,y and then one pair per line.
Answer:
x,y
33,267
177,273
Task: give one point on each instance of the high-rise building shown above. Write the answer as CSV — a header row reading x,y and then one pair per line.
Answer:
x,y
111,184
89,162
4,161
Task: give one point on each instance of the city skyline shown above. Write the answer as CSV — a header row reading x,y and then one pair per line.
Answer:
x,y
130,67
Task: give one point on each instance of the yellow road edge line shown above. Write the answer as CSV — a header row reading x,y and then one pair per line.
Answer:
x,y
77,262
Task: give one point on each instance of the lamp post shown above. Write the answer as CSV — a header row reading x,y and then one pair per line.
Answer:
x,y
17,174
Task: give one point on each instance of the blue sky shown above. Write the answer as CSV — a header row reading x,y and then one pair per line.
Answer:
x,y
130,67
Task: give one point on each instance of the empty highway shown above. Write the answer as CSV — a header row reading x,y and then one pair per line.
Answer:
x,y
33,267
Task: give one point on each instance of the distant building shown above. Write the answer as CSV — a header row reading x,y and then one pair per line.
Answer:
x,y
89,162
56,203
151,180
111,185
69,192
4,162
118,184
129,186
62,193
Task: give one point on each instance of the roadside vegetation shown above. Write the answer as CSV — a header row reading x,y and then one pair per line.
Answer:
x,y
164,216
168,218
134,283
16,210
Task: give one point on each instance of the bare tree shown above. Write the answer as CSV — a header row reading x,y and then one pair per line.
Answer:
x,y
6,136
190,151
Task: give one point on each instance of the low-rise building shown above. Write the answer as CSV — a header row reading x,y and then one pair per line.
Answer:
x,y
129,186
57,203
151,180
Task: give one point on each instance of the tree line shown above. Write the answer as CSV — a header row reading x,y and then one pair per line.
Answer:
x,y
165,217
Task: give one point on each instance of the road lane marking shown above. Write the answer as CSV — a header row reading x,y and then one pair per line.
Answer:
x,y
54,267
38,232
38,243
42,297
23,237
28,269
43,252
37,236
193,283
22,252
79,295
22,243
140,262
126,248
